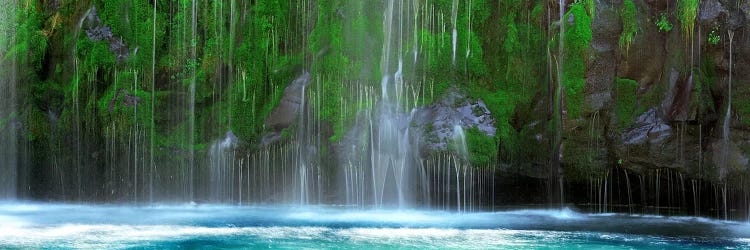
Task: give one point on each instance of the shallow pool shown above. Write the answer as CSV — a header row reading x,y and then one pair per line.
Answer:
x,y
36,225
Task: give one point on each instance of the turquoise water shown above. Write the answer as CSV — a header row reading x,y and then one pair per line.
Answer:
x,y
36,225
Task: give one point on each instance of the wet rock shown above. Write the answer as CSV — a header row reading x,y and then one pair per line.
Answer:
x,y
230,140
270,138
571,19
437,121
644,60
97,31
710,10
601,69
53,5
745,7
735,159
130,99
290,104
649,128
736,19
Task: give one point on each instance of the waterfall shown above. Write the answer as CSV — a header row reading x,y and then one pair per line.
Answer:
x,y
459,140
728,114
222,161
392,153
555,174
301,159
468,34
191,104
454,36
152,134
415,30
190,156
8,103
725,129
380,163
460,159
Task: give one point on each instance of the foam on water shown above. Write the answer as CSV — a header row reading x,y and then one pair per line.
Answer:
x,y
35,225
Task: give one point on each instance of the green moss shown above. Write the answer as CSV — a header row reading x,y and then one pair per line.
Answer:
x,y
133,21
577,39
713,37
240,66
590,6
125,107
629,19
37,123
663,23
482,148
704,82
4,121
94,55
687,10
626,102
30,41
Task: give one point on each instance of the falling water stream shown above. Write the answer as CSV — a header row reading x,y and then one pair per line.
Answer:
x,y
205,183
725,129
8,103
454,33
555,175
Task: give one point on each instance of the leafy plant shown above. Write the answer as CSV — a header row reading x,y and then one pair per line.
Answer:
x,y
713,37
687,10
663,23
629,24
577,40
589,5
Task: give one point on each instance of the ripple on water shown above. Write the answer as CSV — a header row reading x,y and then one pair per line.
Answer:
x,y
81,226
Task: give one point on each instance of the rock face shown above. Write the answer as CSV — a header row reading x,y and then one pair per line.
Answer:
x,y
679,107
290,105
96,31
436,122
288,109
649,128
431,128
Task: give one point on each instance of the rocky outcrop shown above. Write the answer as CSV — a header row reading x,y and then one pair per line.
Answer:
x,y
436,122
289,106
288,109
97,31
681,92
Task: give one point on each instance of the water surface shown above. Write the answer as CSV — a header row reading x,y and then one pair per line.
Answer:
x,y
37,225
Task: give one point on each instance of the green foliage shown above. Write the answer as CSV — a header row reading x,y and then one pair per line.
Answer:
x,y
482,148
327,36
123,106
713,37
577,39
243,54
704,82
438,60
629,19
94,55
687,10
626,102
663,23
501,105
38,124
590,6
133,21
30,42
